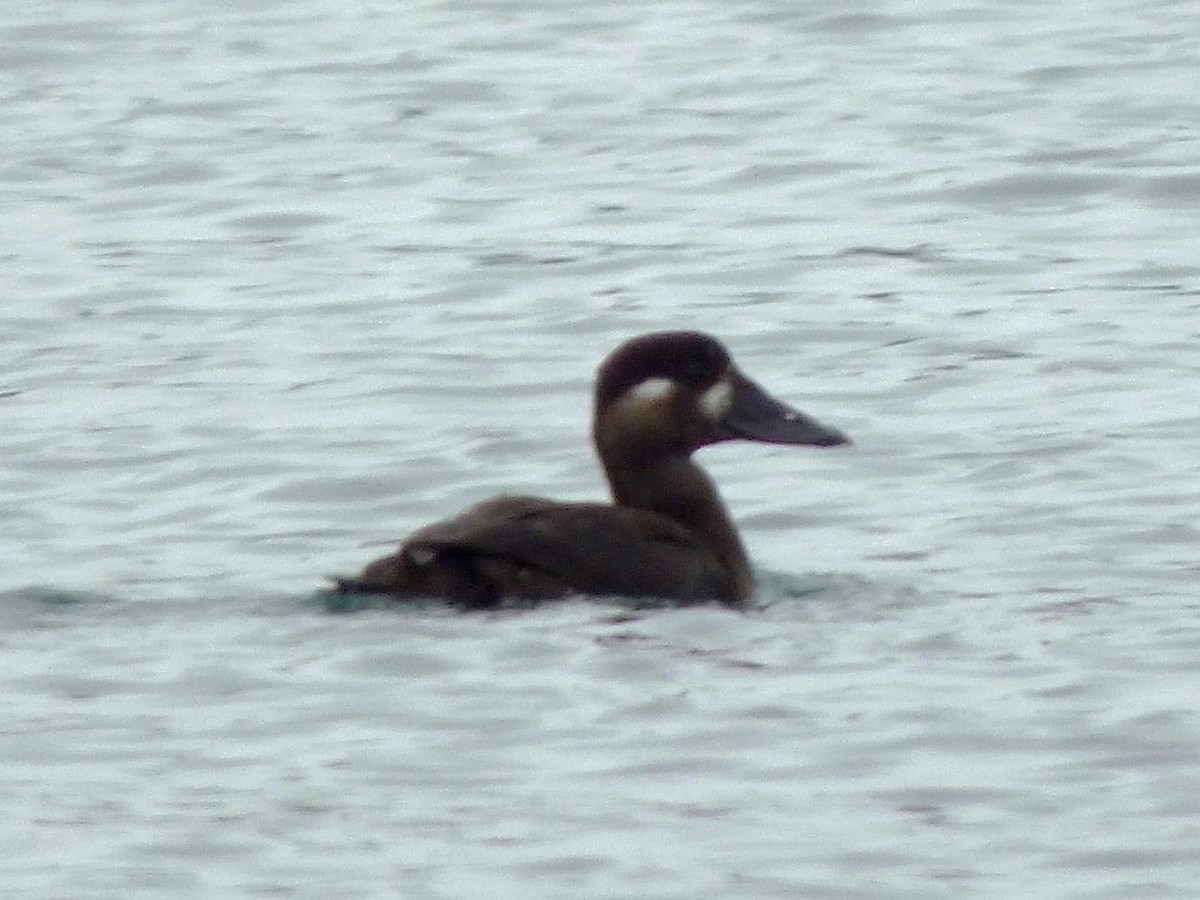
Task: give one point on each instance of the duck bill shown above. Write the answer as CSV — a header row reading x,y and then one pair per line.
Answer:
x,y
754,415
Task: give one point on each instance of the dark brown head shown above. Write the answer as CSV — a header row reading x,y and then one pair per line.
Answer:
x,y
677,391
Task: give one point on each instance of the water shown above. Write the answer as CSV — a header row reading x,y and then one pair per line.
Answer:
x,y
283,280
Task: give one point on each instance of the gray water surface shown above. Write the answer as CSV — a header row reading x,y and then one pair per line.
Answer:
x,y
283,281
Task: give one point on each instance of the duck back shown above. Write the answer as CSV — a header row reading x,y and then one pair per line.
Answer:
x,y
533,549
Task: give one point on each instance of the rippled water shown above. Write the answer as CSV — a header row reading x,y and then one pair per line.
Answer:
x,y
285,280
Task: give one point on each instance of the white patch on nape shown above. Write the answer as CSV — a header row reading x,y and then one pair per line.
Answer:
x,y
715,402
651,391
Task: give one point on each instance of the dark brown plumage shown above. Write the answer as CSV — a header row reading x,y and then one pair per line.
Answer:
x,y
659,398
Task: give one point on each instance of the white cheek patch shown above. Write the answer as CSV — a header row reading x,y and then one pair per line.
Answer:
x,y
651,391
715,402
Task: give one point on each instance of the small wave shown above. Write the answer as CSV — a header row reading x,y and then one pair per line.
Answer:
x,y
826,595
36,605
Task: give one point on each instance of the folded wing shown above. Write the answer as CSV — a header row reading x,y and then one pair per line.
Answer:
x,y
528,548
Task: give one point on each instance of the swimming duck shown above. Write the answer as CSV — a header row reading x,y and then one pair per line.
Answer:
x,y
659,398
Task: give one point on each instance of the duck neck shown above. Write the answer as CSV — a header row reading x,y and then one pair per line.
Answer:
x,y
675,487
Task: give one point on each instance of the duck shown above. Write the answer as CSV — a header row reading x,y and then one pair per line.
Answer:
x,y
665,536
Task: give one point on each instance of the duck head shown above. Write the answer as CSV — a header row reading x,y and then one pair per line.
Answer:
x,y
671,393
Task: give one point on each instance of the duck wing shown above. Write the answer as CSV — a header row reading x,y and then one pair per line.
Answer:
x,y
529,548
